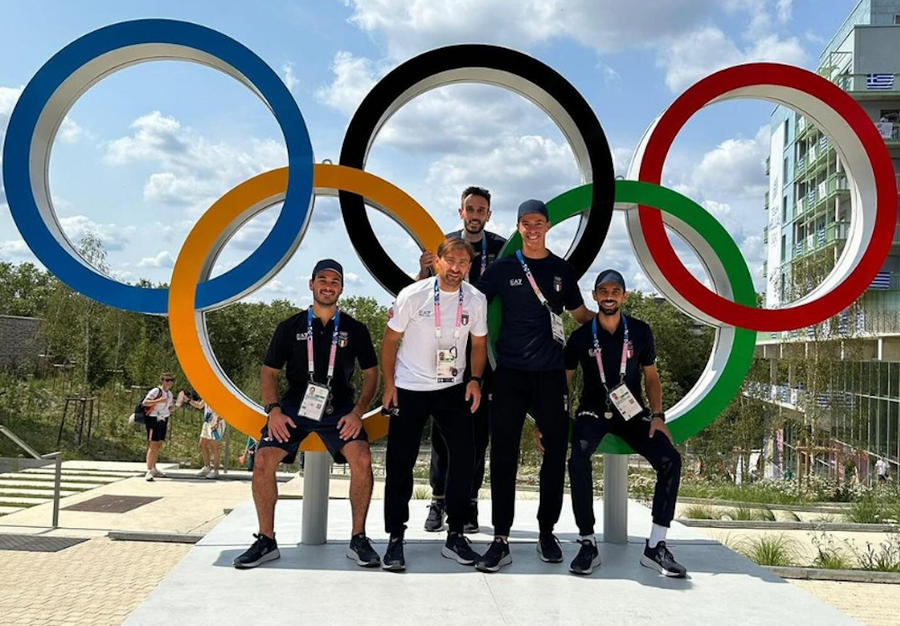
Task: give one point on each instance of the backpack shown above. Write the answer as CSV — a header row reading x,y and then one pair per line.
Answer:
x,y
140,411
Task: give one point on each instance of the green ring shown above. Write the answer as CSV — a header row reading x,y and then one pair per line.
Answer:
x,y
729,383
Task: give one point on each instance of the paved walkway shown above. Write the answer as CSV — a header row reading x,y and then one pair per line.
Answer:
x,y
102,581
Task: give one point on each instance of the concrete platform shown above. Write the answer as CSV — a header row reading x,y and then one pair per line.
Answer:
x,y
317,584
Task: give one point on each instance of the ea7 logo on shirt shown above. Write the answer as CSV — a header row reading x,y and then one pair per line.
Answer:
x,y
301,336
425,312
515,282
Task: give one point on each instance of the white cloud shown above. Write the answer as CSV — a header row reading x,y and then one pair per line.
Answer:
x,y
702,52
735,167
161,260
354,77
15,249
288,76
194,172
113,236
602,25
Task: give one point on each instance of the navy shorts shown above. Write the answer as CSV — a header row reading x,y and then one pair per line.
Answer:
x,y
326,429
156,428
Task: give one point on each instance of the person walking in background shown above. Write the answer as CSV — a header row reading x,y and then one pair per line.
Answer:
x,y
158,405
211,434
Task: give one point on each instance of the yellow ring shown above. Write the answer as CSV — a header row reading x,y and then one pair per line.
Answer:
x,y
186,323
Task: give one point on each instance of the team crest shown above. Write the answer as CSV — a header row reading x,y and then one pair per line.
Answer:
x,y
630,349
465,319
343,338
390,312
557,283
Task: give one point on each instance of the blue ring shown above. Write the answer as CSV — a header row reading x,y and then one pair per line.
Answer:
x,y
264,260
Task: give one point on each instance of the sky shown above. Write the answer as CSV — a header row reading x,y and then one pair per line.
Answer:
x,y
148,149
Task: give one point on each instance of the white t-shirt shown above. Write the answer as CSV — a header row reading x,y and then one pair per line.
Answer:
x,y
413,315
161,410
881,467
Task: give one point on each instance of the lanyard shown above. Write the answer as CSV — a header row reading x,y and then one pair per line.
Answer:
x,y
437,310
597,355
531,281
462,235
310,359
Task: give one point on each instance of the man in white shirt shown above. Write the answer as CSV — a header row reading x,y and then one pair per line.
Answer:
x,y
158,405
423,377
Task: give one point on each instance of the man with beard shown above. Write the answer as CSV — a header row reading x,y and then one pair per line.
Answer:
x,y
424,376
534,286
614,350
475,211
319,347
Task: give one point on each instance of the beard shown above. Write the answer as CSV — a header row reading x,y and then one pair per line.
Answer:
x,y
453,282
324,300
474,227
609,309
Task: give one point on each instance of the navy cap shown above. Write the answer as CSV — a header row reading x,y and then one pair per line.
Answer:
x,y
532,206
328,265
609,276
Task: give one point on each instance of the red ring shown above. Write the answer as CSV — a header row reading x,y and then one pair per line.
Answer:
x,y
716,86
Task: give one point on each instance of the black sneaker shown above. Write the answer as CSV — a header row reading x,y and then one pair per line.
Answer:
x,y
496,557
360,550
587,559
437,512
660,559
263,550
549,549
393,560
459,549
472,525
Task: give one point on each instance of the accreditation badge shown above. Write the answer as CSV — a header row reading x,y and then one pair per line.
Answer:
x,y
556,325
446,366
314,401
625,402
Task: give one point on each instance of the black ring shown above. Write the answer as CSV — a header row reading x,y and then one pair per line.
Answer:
x,y
377,107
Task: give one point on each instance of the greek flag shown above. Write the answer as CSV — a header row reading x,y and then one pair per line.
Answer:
x,y
881,281
880,81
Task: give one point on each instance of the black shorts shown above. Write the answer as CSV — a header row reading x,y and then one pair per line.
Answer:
x,y
326,429
156,428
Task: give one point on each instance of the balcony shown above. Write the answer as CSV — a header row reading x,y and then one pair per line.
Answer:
x,y
870,87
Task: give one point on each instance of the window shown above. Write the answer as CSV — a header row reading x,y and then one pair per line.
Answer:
x,y
783,247
784,170
786,135
896,19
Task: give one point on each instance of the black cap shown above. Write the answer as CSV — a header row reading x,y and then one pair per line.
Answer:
x,y
328,265
609,276
532,206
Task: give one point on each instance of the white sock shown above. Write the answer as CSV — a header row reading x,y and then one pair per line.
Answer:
x,y
657,534
587,538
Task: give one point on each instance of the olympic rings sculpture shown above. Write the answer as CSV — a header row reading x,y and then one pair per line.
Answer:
x,y
729,306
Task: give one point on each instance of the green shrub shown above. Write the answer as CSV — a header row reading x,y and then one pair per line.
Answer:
x,y
700,511
771,550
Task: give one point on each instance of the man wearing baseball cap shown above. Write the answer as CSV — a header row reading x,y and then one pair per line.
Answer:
x,y
614,351
535,286
320,347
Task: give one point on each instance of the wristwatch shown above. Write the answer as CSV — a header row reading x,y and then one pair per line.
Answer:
x,y
268,408
477,379
660,415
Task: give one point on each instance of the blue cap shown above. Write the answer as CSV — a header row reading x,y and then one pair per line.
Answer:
x,y
328,265
609,276
532,206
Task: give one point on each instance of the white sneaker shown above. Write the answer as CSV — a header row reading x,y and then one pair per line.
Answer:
x,y
149,475
157,473
213,475
206,470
